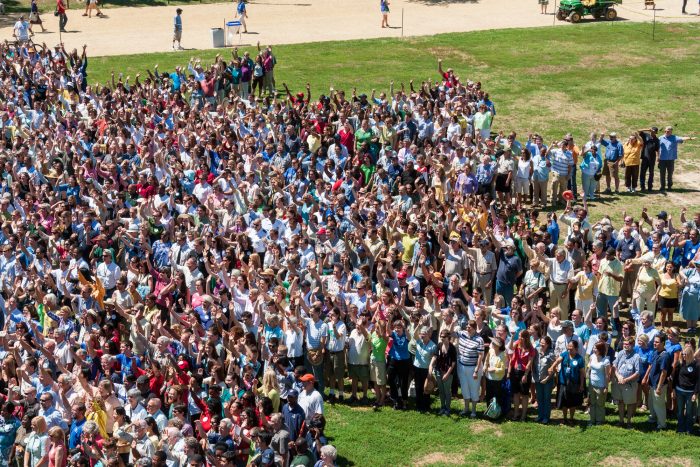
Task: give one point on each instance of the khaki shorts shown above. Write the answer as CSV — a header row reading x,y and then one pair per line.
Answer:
x,y
625,393
335,365
522,186
177,34
377,372
359,372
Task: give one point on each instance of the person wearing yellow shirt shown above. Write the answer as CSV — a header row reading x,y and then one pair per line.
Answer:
x,y
646,288
632,159
408,240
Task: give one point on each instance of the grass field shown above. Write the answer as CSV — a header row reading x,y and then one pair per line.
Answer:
x,y
593,77
551,80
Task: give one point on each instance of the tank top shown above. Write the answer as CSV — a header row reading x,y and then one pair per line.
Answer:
x,y
523,169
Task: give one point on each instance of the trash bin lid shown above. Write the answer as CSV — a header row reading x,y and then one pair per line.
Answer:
x,y
217,29
233,23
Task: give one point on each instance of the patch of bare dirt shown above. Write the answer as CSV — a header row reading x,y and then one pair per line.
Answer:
x,y
439,458
480,426
621,461
675,461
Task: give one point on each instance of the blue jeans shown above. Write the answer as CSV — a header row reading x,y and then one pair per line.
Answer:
x,y
589,183
544,400
506,290
684,401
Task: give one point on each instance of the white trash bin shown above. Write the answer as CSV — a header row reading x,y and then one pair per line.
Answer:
x,y
217,37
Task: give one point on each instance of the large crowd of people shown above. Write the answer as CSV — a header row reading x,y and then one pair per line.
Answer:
x,y
192,264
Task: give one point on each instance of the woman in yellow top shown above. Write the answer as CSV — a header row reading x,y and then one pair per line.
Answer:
x,y
270,388
646,288
668,294
586,284
632,159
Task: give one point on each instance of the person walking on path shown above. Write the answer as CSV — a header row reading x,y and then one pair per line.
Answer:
x,y
92,5
22,30
177,29
34,17
61,8
242,14
384,7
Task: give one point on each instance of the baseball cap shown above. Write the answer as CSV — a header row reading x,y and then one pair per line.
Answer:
x,y
292,393
307,378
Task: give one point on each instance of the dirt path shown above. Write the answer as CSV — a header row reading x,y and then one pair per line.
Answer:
x,y
149,29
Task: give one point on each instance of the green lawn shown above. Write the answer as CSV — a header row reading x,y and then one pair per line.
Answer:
x,y
388,438
599,76
551,80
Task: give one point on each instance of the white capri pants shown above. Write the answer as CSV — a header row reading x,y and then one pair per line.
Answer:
x,y
471,387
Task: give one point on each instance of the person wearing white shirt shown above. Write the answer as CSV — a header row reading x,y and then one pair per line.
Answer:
x,y
337,334
561,271
202,191
108,272
134,409
153,408
310,400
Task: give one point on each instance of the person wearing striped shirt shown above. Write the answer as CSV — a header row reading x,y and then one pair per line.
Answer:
x,y
562,163
470,358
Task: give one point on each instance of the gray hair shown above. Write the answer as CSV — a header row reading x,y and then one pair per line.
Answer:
x,y
226,424
647,314
330,451
90,428
134,393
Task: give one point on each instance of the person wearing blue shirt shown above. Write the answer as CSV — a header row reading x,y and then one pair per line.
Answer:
x,y
9,424
398,365
668,153
540,172
76,428
656,380
613,156
425,349
177,29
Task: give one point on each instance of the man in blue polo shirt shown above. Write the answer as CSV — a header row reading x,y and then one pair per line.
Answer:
x,y
668,153
656,380
613,157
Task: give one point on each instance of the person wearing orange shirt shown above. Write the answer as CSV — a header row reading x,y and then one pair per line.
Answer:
x,y
631,160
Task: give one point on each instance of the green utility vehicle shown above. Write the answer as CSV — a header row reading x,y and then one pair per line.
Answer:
x,y
574,10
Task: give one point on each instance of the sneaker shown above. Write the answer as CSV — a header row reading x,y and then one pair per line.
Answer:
x,y
341,398
352,400
472,415
463,413
607,192
331,398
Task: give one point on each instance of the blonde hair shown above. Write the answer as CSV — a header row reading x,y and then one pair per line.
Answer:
x,y
269,381
58,433
39,423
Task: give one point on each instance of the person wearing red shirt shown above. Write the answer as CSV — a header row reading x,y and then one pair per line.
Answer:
x,y
520,371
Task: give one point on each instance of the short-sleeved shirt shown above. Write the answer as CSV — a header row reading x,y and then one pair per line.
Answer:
x,y
627,364
314,333
660,361
424,353
470,347
628,248
607,285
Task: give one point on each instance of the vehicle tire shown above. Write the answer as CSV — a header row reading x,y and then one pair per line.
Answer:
x,y
611,14
561,15
575,17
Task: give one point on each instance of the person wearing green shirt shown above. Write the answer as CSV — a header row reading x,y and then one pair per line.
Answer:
x,y
611,273
377,361
363,135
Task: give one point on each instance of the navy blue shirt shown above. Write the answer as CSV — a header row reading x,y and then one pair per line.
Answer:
x,y
659,362
628,248
293,418
76,431
508,268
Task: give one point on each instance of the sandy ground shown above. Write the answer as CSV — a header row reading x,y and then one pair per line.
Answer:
x,y
149,29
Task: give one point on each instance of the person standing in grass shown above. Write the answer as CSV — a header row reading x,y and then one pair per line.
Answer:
x,y
626,371
544,382
384,8
598,374
631,160
443,366
572,374
177,29
469,366
520,373
655,379
399,365
687,387
425,350
377,362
